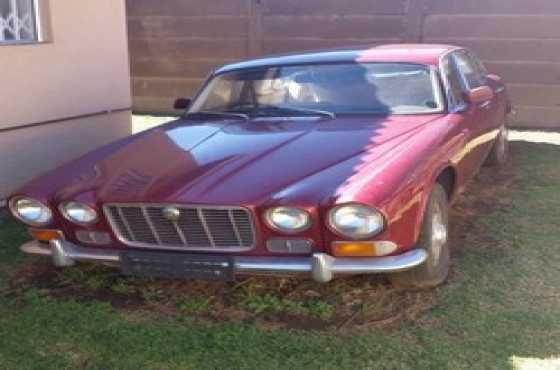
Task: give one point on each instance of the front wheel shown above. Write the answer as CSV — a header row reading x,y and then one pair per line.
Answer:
x,y
500,151
434,240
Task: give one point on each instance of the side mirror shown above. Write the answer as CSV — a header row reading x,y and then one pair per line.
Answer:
x,y
479,95
182,104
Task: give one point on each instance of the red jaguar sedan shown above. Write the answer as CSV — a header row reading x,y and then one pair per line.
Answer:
x,y
322,164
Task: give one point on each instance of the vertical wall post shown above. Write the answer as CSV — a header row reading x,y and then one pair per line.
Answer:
x,y
416,11
255,37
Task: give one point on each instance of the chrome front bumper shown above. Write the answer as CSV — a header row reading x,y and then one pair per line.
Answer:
x,y
322,267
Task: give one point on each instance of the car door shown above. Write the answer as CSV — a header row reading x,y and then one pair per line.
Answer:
x,y
480,123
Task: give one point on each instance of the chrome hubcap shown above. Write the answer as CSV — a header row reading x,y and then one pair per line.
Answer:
x,y
502,143
439,234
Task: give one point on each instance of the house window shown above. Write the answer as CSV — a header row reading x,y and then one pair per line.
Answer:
x,y
20,21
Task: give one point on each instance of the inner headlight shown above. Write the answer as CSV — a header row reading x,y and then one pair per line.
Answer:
x,y
356,221
79,213
288,219
30,211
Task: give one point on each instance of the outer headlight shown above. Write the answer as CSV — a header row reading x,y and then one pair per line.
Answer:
x,y
356,221
30,211
287,219
78,213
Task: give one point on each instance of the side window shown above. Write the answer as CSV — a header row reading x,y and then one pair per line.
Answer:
x,y
454,88
479,65
481,69
470,70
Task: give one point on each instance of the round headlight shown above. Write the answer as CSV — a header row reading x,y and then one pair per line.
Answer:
x,y
288,220
356,221
30,211
78,213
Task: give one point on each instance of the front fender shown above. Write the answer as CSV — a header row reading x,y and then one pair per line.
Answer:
x,y
400,183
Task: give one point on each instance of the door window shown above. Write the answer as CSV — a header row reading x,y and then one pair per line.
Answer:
x,y
470,70
454,88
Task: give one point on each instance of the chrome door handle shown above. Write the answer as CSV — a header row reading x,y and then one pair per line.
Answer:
x,y
486,104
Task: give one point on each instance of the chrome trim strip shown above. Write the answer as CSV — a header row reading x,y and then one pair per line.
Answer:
x,y
446,85
181,234
71,251
150,224
235,227
321,266
183,248
206,228
125,223
485,105
440,95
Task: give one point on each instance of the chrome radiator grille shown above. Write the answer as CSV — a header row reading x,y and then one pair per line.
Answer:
x,y
197,228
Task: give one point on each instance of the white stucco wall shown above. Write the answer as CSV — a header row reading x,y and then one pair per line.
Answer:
x,y
83,69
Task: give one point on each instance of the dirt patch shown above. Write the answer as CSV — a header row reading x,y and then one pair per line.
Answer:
x,y
345,304
271,303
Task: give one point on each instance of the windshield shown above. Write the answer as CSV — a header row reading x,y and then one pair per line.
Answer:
x,y
350,88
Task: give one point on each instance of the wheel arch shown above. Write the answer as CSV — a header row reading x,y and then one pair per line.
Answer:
x,y
446,176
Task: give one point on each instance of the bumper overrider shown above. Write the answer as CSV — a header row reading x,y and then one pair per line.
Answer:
x,y
322,267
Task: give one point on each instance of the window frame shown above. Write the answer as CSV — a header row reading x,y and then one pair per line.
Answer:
x,y
41,19
452,107
475,66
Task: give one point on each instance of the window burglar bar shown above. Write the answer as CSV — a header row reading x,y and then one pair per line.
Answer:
x,y
17,21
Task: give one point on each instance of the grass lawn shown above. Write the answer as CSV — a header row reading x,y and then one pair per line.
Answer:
x,y
500,309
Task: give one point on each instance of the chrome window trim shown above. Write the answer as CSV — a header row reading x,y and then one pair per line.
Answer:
x,y
451,108
466,85
184,248
440,95
475,62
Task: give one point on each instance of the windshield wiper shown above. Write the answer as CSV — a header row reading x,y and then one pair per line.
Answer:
x,y
273,108
317,112
216,113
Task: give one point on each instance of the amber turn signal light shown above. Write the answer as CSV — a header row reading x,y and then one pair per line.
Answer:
x,y
46,235
363,249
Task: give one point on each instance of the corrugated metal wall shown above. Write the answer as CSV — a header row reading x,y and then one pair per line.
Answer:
x,y
175,43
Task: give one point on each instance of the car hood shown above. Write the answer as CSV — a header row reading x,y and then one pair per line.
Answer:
x,y
236,162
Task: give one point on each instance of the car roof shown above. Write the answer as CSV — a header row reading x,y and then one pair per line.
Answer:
x,y
428,54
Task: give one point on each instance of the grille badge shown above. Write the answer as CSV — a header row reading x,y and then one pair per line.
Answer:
x,y
171,214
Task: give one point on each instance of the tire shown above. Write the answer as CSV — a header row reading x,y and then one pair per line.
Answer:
x,y
499,154
434,240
